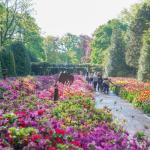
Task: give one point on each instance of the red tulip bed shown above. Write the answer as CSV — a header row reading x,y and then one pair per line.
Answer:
x,y
136,92
31,120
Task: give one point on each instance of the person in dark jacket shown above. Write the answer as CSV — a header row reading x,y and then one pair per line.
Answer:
x,y
100,82
91,78
106,83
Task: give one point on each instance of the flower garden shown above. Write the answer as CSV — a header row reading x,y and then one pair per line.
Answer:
x,y
31,120
136,92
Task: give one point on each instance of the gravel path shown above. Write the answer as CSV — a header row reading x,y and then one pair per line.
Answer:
x,y
134,119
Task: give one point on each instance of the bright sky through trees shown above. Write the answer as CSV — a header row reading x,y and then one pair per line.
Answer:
x,y
57,17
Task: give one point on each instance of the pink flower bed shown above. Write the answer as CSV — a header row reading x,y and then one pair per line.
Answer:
x,y
29,119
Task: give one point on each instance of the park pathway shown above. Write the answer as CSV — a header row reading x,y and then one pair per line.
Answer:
x,y
135,120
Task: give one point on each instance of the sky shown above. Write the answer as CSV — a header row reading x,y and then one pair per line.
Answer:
x,y
57,17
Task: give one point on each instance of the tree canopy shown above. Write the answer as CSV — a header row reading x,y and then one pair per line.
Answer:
x,y
120,46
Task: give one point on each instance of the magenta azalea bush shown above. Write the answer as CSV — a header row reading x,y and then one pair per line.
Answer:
x,y
30,119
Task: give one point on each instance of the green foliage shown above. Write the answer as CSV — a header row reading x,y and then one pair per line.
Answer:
x,y
116,65
7,61
18,24
11,13
73,46
51,49
72,57
133,50
21,57
140,135
20,134
32,38
137,26
73,112
0,70
11,117
132,25
144,61
146,108
67,49
102,40
39,67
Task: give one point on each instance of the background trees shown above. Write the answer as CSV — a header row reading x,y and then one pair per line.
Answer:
x,y
72,44
67,49
120,47
132,44
12,13
51,48
20,39
138,24
102,40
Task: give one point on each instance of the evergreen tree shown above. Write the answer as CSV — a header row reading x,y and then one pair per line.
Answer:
x,y
102,40
116,65
7,61
22,60
144,61
0,70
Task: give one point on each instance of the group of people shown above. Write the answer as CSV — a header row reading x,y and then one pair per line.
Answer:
x,y
99,83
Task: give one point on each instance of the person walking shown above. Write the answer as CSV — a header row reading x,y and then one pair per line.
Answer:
x,y
95,80
106,85
87,78
100,82
91,78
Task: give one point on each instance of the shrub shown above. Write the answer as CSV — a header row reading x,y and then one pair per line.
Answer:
x,y
7,61
21,57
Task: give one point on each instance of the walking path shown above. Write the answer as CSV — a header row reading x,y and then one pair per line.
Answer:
x,y
135,120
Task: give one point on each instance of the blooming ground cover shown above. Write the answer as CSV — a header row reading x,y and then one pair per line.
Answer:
x,y
30,119
136,92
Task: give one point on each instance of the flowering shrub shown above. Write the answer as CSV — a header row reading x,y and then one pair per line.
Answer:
x,y
134,91
80,114
105,137
27,131
30,119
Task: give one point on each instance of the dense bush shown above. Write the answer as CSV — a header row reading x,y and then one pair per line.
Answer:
x,y
0,69
21,57
42,68
135,92
7,61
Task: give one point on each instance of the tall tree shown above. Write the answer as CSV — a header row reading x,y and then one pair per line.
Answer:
x,y
144,61
21,57
11,13
136,30
116,65
7,61
51,48
102,40
86,46
31,37
73,43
